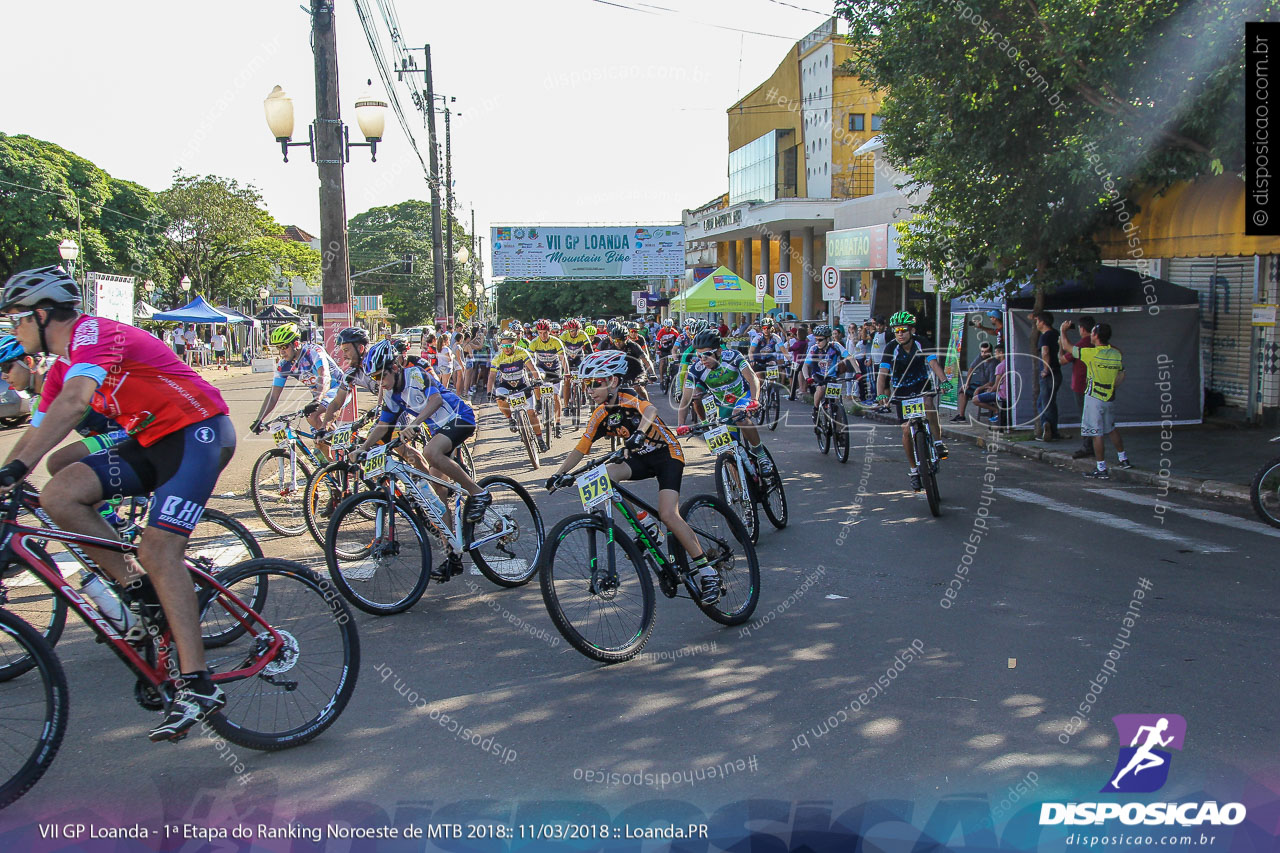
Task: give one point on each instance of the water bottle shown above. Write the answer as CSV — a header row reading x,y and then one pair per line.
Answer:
x,y
651,526
429,497
108,604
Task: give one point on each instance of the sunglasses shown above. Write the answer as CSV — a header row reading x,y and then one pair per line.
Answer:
x,y
595,383
709,354
20,316
897,330
820,340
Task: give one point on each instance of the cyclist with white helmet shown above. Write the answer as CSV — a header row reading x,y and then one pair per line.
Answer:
x,y
904,372
180,439
310,365
653,450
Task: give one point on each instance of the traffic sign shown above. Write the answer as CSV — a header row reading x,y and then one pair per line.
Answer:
x,y
642,305
762,285
469,310
830,284
782,288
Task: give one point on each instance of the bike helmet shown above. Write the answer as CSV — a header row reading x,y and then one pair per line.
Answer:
x,y
379,357
555,328
571,325
353,335
695,325
766,321
401,346
601,365
823,331
284,335
902,318
617,331
543,325
29,288
591,331
10,349
507,337
707,338
668,323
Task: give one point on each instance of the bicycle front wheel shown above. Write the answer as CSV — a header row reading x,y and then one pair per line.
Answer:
x,y
596,588
307,683
526,436
25,596
774,499
325,489
377,553
278,486
840,432
772,407
823,428
927,476
511,559
1265,493
734,491
33,710
729,551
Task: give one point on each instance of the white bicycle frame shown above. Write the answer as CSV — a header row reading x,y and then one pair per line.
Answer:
x,y
402,472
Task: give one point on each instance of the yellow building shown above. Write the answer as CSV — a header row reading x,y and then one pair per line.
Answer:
x,y
791,160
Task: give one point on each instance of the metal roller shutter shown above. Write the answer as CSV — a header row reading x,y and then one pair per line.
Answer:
x,y
1225,286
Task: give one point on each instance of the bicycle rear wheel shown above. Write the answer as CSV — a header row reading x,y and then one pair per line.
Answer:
x,y
462,455
728,547
278,490
308,682
378,554
1265,493
736,494
512,559
596,588
927,476
33,710
772,406
325,489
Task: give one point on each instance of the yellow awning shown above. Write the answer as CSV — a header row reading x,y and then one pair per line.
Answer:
x,y
1199,219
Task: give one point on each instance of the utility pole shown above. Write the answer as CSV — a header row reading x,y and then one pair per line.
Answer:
x,y
475,261
448,210
437,252
335,265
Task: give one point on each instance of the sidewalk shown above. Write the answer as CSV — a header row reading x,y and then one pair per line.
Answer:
x,y
1216,458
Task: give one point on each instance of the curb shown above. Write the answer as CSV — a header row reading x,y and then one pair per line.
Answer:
x,y
1188,485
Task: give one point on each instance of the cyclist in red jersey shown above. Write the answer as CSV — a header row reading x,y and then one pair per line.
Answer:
x,y
180,439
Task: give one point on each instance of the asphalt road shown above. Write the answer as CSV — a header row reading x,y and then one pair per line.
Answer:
x,y
975,693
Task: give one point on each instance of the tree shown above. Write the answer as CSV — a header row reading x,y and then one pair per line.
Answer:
x,y
529,300
388,235
1033,125
222,237
44,188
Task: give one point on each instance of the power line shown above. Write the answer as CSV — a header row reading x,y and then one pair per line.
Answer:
x,y
696,21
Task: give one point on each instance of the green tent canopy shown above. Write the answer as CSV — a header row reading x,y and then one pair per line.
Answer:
x,y
723,290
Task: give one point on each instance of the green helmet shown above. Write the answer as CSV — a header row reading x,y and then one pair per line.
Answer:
x,y
902,318
284,335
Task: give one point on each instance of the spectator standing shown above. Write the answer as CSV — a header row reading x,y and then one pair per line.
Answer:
x,y
798,346
1080,379
879,340
1050,375
1105,366
180,343
979,380
219,343
193,344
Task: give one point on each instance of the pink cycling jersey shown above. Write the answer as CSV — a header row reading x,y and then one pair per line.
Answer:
x,y
142,385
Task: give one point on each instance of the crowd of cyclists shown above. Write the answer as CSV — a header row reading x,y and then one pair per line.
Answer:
x,y
151,425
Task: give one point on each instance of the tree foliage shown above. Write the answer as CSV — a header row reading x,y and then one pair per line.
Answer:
x,y
43,186
1033,124
529,300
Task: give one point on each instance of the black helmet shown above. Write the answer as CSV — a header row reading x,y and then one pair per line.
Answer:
x,y
707,338
353,335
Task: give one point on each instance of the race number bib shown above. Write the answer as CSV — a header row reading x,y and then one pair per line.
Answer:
x,y
341,436
771,373
375,461
913,408
280,435
547,388
719,440
594,487
833,391
517,400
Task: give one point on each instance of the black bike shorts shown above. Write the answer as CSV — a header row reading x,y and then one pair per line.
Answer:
x,y
657,463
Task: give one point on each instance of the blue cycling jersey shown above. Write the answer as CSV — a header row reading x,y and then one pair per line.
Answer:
x,y
824,360
415,389
314,368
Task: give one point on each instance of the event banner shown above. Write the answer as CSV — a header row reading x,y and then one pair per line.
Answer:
x,y
582,252
951,366
113,297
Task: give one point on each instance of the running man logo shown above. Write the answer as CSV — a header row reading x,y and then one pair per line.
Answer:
x,y
1143,765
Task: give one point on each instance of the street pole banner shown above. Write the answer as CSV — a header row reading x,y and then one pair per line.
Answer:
x,y
782,288
762,285
830,284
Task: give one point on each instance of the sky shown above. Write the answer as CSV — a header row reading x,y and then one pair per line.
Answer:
x,y
568,111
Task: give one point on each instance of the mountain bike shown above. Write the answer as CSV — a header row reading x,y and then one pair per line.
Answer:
x,y
518,400
770,396
926,455
578,405
595,574
832,425
546,412
738,480
1265,491
378,543
288,673
217,543
278,482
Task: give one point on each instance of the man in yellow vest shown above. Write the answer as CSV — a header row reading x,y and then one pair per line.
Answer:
x,y
1105,366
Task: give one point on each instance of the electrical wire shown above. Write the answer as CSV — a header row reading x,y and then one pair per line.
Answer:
x,y
696,21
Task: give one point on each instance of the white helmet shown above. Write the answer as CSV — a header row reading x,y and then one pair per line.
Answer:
x,y
602,365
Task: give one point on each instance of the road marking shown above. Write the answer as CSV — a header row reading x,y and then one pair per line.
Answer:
x,y
1118,522
1209,515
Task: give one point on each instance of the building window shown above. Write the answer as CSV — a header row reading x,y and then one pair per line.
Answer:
x,y
857,122
876,121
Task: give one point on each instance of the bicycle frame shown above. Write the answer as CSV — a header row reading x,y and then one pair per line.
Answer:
x,y
402,472
14,545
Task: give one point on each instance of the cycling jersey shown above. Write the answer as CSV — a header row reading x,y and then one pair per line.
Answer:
x,y
575,347
768,348
355,377
142,385
908,367
631,348
1104,364
666,338
414,389
624,419
314,368
724,381
825,359
511,366
546,355
93,423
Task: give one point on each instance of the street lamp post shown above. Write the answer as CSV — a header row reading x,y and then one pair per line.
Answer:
x,y
69,250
